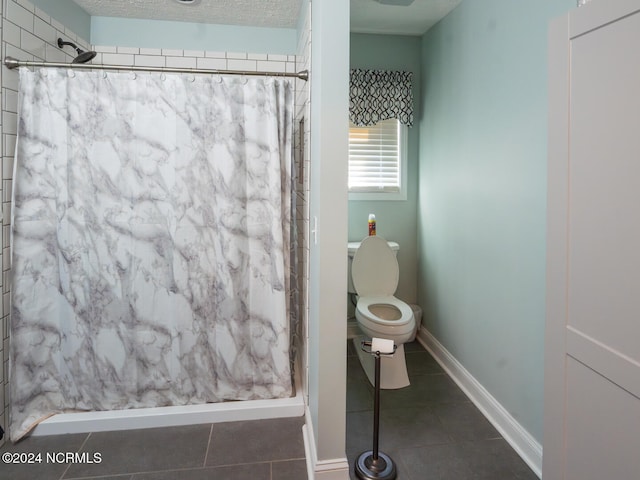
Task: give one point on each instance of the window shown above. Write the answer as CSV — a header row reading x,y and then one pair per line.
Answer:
x,y
377,166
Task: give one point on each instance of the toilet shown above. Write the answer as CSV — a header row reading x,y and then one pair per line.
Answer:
x,y
375,273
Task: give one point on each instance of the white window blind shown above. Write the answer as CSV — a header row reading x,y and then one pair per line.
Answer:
x,y
375,157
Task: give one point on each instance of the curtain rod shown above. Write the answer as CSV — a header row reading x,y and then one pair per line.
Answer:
x,y
12,63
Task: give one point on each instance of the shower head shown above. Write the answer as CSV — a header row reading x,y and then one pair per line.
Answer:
x,y
83,57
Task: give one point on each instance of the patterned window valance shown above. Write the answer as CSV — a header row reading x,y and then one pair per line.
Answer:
x,y
376,95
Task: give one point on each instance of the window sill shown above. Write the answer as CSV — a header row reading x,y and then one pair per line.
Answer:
x,y
375,196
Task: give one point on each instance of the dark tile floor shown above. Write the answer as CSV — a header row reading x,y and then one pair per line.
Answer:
x,y
251,450
430,429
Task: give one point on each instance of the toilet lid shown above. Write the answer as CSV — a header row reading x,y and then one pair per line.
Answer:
x,y
374,270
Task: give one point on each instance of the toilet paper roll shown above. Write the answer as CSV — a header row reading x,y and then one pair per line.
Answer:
x,y
381,345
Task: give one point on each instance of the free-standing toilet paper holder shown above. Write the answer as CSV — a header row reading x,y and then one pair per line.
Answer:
x,y
374,464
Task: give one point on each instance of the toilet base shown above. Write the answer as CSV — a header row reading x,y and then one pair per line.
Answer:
x,y
393,369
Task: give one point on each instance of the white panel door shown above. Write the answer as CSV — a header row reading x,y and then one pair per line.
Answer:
x,y
592,359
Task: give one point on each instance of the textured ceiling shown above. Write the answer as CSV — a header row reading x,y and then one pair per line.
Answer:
x,y
256,13
367,16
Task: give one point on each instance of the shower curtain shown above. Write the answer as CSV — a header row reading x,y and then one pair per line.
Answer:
x,y
150,242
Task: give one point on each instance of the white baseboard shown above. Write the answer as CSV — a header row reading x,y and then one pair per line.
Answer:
x,y
529,449
334,469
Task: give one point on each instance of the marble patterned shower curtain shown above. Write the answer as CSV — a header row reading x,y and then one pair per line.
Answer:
x,y
150,242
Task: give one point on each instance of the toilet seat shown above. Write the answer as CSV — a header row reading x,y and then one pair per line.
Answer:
x,y
364,304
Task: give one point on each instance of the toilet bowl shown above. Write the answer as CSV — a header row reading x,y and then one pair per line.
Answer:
x,y
375,273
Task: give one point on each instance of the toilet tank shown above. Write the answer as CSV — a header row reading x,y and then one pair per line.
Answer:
x,y
352,247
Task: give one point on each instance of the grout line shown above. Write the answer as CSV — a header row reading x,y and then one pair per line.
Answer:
x,y
206,453
281,460
77,451
259,462
125,476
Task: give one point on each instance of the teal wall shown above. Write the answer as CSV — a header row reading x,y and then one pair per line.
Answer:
x,y
69,14
482,201
131,32
396,220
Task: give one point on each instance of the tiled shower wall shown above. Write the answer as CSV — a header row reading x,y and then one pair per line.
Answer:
x,y
27,34
303,164
30,34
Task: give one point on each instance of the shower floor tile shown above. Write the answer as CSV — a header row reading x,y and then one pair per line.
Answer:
x,y
144,450
251,450
254,471
42,446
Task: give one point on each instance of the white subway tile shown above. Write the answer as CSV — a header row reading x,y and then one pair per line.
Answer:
x,y
10,100
70,34
277,58
272,66
149,61
117,59
20,16
5,320
6,239
9,123
43,15
215,54
6,284
237,55
7,165
212,63
257,56
7,391
6,299
151,51
26,4
32,44
105,49
181,62
250,65
193,53
7,186
11,33
57,25
55,54
45,31
170,52
6,217
129,50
